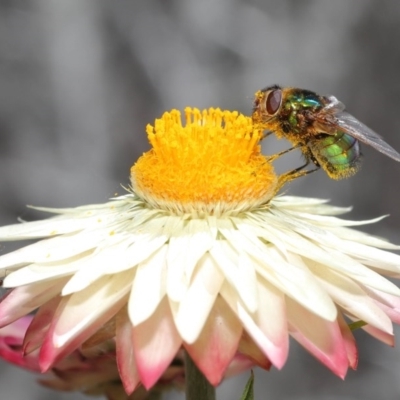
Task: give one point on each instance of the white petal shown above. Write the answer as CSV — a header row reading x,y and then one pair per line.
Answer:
x,y
379,257
90,209
37,273
276,352
363,238
322,338
271,314
327,221
184,250
335,259
195,308
156,342
25,299
352,298
39,229
201,240
149,287
73,220
228,261
304,204
54,249
294,279
97,265
350,267
85,307
140,250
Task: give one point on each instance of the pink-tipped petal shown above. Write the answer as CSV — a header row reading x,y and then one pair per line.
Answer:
x,y
24,299
11,338
17,328
276,351
40,324
387,302
125,354
81,314
321,338
148,288
217,343
392,313
271,319
384,298
238,365
156,342
384,337
249,349
353,299
14,355
349,342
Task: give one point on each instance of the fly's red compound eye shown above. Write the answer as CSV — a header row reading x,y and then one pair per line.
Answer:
x,y
273,102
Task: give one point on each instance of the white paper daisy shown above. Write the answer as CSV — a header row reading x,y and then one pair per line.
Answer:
x,y
201,254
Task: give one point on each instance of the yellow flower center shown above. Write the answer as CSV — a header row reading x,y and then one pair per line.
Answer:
x,y
211,164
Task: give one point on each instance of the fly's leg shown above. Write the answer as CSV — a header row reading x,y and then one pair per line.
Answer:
x,y
275,156
294,174
266,134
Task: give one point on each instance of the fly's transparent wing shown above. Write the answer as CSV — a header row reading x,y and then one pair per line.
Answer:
x,y
361,132
333,105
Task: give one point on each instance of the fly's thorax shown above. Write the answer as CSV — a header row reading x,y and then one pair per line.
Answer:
x,y
296,116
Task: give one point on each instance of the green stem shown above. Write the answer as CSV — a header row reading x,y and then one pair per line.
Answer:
x,y
155,396
197,386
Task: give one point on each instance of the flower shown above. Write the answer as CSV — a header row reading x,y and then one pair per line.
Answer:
x,y
202,254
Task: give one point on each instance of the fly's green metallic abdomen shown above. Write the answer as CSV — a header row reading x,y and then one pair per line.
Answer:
x,y
338,154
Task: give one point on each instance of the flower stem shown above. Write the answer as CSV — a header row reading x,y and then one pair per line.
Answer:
x,y
197,386
154,395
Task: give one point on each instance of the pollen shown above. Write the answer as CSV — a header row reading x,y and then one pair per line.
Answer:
x,y
211,163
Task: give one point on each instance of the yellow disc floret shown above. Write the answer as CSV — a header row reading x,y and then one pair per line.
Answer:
x,y
211,164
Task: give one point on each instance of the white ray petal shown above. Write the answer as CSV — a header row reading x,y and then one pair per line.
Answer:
x,y
97,265
177,282
314,206
54,249
352,298
38,273
334,259
149,287
144,246
369,253
294,279
363,238
123,202
62,224
275,351
83,308
185,248
39,229
195,307
25,299
232,266
141,216
315,219
201,240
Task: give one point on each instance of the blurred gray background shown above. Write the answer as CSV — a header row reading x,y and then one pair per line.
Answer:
x,y
80,79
